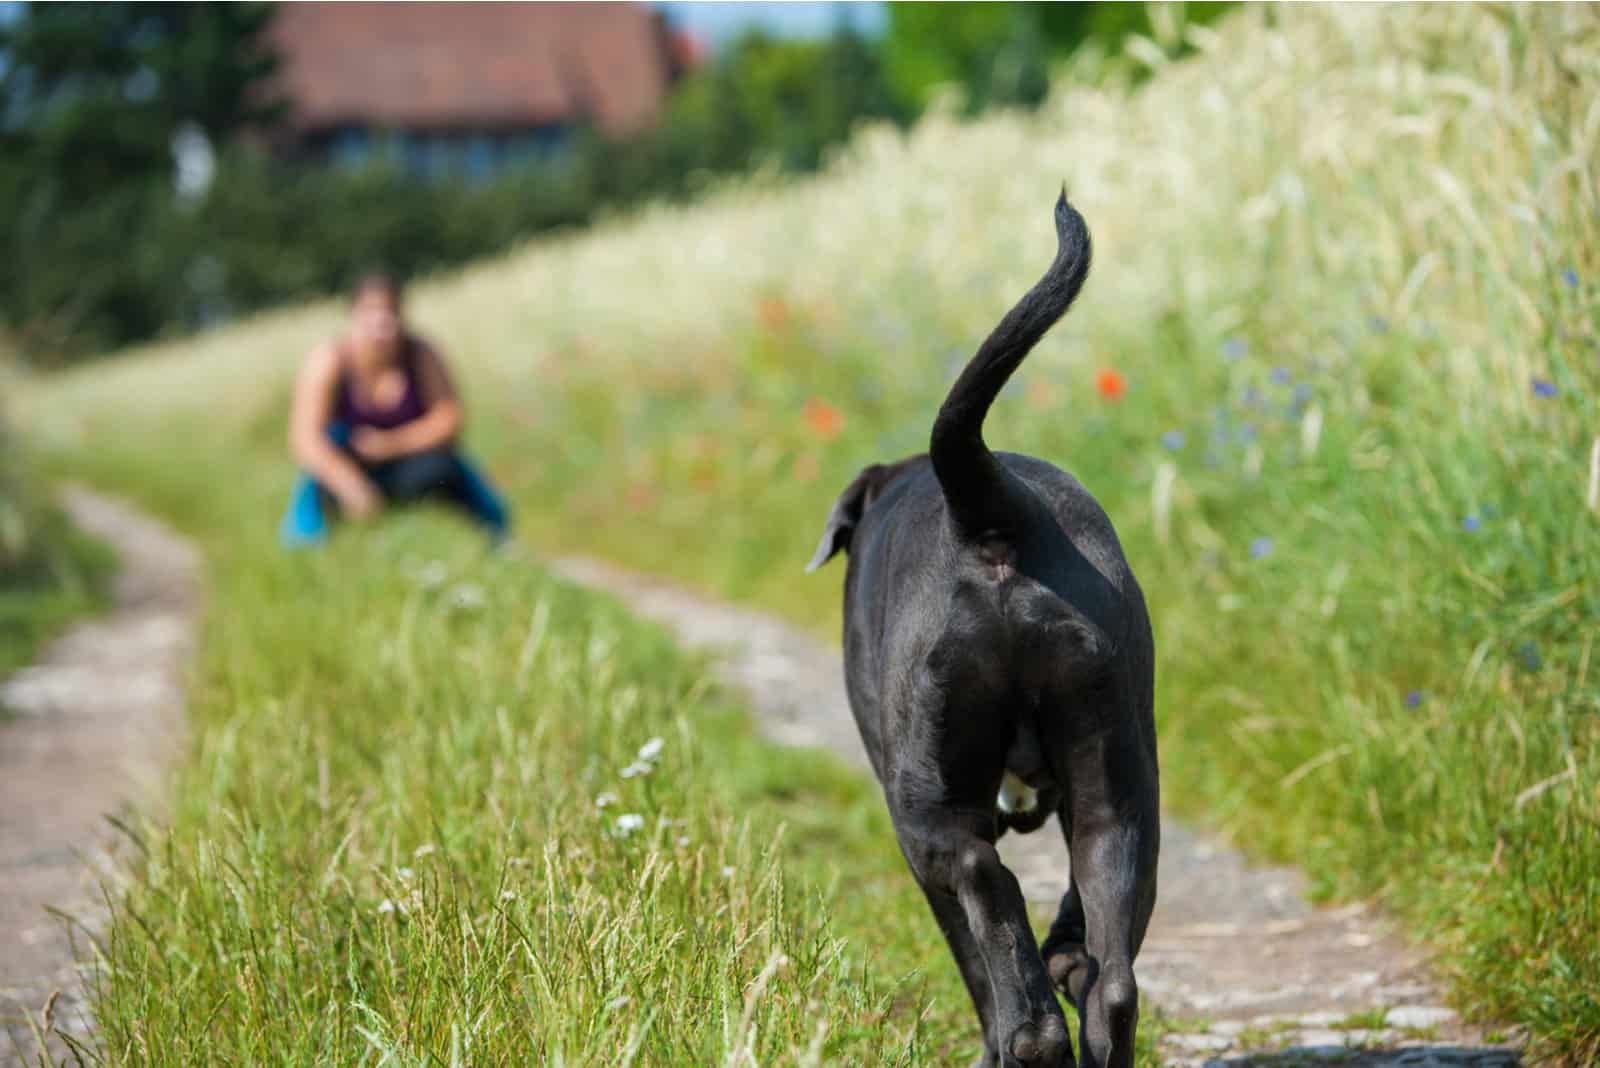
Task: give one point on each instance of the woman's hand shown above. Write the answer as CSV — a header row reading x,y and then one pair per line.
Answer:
x,y
360,500
373,445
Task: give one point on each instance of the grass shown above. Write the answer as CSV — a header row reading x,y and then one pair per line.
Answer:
x,y
50,573
401,836
1346,265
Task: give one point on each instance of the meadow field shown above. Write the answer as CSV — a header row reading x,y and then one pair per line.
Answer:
x,y
1333,376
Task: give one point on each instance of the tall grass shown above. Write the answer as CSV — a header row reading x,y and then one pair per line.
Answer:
x,y
1346,264
440,809
50,573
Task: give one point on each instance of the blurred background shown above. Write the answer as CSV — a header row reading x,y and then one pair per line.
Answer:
x,y
168,167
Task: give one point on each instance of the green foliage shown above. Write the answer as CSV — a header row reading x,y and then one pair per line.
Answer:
x,y
49,572
1001,54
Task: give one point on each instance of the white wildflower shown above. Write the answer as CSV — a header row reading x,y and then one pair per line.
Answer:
x,y
617,1003
638,767
385,907
727,872
467,596
508,895
651,749
406,874
683,841
629,822
607,798
433,574
426,849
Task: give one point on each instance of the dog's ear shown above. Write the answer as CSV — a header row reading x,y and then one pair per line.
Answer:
x,y
847,511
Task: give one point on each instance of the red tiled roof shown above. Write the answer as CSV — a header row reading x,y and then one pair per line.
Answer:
x,y
451,65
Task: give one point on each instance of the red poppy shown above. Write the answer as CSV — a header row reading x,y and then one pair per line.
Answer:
x,y
774,312
1110,384
824,419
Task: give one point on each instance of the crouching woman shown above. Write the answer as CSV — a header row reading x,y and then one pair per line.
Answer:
x,y
374,423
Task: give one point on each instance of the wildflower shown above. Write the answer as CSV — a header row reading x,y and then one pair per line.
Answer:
x,y
727,872
1110,384
1252,396
607,798
629,822
1471,524
1542,388
651,749
467,596
508,895
426,849
1172,440
1414,699
824,419
1528,653
432,574
1280,376
1570,277
618,1003
683,841
1235,348
1261,548
637,768
385,907
407,874
774,313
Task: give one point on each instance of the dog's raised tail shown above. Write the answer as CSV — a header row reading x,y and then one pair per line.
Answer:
x,y
976,488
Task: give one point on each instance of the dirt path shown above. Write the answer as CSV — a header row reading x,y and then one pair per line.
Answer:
x,y
85,733
1254,973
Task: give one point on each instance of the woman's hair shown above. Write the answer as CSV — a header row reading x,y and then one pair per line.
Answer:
x,y
377,279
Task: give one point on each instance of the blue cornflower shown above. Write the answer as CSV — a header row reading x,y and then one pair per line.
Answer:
x,y
1414,699
1261,548
1471,523
1235,348
1528,653
1252,396
1541,388
1280,376
1570,277
1172,440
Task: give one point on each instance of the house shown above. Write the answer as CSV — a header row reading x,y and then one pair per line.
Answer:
x,y
461,89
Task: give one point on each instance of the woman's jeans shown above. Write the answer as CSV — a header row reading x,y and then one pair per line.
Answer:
x,y
440,474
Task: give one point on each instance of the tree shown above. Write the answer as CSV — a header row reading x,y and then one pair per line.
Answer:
x,y
91,97
1000,53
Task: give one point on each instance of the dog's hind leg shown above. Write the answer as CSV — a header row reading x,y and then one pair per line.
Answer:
x,y
951,852
1114,838
1065,948
957,932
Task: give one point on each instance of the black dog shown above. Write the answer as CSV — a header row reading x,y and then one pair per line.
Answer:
x,y
997,645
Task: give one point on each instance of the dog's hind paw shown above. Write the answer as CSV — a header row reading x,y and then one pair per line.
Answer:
x,y
1068,966
1043,1044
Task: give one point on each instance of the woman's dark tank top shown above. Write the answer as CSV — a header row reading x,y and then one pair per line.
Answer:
x,y
350,410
